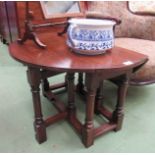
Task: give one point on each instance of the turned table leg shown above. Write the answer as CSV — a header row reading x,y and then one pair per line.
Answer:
x,y
80,85
88,127
118,113
71,96
99,98
45,86
34,79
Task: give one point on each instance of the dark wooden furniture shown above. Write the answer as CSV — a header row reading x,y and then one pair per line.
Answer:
x,y
12,18
57,57
8,21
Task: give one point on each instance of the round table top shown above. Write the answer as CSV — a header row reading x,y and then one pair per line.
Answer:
x,y
57,56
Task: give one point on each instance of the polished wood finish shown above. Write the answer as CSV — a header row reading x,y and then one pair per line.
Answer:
x,y
57,51
57,58
88,128
122,90
13,18
30,26
34,79
29,29
99,98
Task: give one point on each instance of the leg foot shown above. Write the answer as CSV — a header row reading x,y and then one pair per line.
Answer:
x,y
88,136
40,132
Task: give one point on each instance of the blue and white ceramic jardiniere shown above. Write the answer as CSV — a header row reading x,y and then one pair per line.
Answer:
x,y
92,35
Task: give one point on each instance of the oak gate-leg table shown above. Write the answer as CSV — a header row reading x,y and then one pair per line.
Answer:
x,y
57,57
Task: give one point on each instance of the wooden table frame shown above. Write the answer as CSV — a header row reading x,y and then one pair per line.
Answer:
x,y
94,86
117,64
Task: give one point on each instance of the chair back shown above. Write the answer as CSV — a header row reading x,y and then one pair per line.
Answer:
x,y
132,25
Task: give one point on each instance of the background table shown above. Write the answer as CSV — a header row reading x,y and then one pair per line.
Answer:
x,y
57,57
